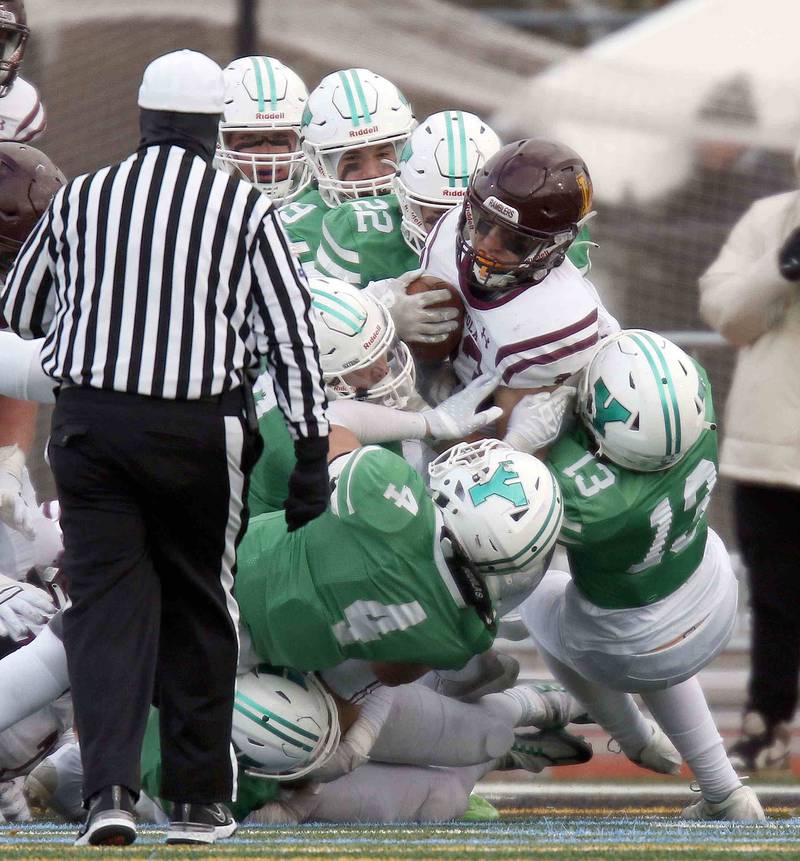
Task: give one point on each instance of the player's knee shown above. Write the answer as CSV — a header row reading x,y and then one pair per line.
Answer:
x,y
446,799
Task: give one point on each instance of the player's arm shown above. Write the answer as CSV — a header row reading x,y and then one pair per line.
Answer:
x,y
455,418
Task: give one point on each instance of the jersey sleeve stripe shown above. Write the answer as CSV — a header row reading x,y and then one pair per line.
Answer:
x,y
346,475
549,358
29,117
547,338
328,267
343,254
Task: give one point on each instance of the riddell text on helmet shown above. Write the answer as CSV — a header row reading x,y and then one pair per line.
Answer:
x,y
357,133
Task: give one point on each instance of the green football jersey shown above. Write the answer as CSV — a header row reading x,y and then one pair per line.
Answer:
x,y
359,581
361,242
633,537
253,792
578,252
269,479
302,221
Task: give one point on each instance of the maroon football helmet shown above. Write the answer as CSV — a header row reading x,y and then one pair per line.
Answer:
x,y
14,34
522,210
28,181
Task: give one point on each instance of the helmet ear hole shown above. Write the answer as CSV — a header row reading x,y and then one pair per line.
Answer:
x,y
634,425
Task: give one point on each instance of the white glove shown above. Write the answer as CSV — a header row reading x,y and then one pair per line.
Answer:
x,y
23,608
457,417
536,420
413,319
358,741
14,511
291,807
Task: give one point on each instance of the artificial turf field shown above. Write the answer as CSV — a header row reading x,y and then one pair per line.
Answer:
x,y
592,822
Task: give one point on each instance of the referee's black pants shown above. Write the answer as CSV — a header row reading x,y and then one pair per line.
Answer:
x,y
152,499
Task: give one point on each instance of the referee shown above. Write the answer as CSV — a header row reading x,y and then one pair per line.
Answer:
x,y
159,284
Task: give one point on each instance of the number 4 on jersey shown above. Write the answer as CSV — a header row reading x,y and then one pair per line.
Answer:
x,y
402,499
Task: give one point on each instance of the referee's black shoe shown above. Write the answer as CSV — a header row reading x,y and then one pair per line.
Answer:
x,y
111,819
200,823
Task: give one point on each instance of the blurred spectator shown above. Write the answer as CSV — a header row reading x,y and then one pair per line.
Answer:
x,y
749,294
653,253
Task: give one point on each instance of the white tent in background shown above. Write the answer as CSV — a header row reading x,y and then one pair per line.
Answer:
x,y
630,103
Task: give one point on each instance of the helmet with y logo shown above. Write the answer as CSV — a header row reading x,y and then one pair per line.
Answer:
x,y
643,400
502,511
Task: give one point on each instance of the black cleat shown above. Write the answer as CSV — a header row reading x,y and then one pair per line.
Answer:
x,y
111,819
200,823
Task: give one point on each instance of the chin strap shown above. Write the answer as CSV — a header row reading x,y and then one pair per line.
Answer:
x,y
470,583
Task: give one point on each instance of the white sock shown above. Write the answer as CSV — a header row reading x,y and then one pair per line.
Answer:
x,y
615,711
683,714
425,728
32,677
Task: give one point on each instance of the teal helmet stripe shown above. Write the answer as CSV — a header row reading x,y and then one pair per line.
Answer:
x,y
259,82
671,386
658,376
351,102
362,98
353,324
243,698
451,150
273,95
462,136
359,315
550,522
276,732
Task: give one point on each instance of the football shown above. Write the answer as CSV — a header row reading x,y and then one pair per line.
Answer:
x,y
442,349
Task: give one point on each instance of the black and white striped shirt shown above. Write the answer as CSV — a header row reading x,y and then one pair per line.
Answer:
x,y
163,277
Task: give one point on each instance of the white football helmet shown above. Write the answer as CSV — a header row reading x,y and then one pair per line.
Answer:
x,y
360,354
285,724
642,400
353,109
503,509
436,164
261,96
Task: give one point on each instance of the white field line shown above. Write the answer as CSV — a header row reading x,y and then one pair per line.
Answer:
x,y
561,789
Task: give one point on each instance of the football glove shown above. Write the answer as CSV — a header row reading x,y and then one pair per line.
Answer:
x,y
23,608
413,318
14,511
536,420
458,416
